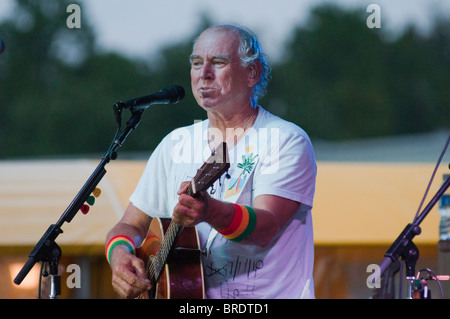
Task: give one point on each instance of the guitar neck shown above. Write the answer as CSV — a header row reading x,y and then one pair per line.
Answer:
x,y
168,243
206,175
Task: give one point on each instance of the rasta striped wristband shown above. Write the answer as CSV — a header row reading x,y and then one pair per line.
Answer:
x,y
242,225
118,240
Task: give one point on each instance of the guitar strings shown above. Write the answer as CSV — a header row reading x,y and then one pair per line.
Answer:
x,y
156,266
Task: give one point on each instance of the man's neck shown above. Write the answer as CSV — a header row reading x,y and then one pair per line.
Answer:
x,y
232,128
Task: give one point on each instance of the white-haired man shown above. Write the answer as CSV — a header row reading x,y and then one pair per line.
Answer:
x,y
255,231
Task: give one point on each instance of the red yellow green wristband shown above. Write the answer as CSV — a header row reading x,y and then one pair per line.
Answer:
x,y
119,240
242,225
237,220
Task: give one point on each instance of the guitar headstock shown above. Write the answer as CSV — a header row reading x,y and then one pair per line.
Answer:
x,y
217,164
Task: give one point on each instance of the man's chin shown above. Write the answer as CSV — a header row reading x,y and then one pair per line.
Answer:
x,y
208,104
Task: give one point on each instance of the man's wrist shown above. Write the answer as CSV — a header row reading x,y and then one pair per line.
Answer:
x,y
119,240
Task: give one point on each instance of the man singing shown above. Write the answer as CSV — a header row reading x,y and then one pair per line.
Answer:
x,y
255,230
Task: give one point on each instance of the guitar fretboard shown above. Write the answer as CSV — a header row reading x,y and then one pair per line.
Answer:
x,y
206,175
156,267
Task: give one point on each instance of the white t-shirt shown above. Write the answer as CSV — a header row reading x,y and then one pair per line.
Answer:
x,y
275,157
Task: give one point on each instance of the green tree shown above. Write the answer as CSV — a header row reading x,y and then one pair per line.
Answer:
x,y
342,80
33,72
332,80
54,102
338,80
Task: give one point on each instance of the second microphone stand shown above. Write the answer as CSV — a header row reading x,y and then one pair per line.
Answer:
x,y
404,248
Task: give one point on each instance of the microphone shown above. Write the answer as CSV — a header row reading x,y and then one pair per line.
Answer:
x,y
168,95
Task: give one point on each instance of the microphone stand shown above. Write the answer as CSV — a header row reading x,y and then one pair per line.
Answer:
x,y
404,247
47,250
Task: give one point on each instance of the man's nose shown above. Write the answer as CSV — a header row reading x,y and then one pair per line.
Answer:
x,y
207,71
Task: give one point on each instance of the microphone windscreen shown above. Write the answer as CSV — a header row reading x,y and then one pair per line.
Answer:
x,y
175,92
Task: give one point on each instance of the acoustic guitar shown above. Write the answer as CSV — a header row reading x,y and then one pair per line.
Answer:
x,y
171,252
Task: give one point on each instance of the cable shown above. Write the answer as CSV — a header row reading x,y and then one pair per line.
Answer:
x,y
432,177
42,273
432,276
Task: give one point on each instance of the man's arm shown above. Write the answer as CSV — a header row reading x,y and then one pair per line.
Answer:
x,y
129,277
272,213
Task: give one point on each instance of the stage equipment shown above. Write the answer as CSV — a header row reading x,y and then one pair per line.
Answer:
x,y
404,248
47,250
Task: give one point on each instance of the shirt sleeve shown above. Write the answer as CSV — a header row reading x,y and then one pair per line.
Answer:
x,y
287,167
148,195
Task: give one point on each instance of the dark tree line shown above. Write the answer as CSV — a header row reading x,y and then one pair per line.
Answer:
x,y
337,79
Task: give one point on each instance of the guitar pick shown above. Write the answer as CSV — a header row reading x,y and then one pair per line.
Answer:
x,y
84,209
97,192
91,200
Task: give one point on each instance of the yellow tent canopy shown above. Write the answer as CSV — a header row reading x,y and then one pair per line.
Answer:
x,y
34,195
355,203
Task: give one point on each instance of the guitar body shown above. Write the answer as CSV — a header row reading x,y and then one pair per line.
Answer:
x,y
171,252
182,276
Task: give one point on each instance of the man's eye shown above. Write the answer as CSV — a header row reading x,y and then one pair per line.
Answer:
x,y
219,62
196,63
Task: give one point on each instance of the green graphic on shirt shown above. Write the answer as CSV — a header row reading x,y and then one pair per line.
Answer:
x,y
246,166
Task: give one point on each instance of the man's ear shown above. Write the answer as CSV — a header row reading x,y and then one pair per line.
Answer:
x,y
254,74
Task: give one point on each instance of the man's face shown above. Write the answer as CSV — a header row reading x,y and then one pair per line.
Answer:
x,y
218,79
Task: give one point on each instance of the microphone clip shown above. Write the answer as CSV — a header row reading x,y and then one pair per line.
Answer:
x,y
118,108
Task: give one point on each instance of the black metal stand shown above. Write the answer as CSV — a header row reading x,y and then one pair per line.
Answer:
x,y
47,250
404,247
